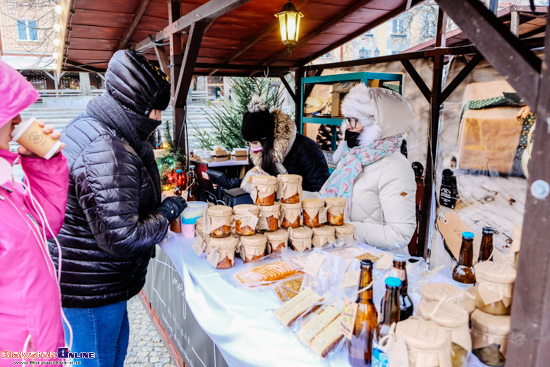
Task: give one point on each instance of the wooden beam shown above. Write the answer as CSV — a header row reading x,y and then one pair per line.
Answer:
x,y
298,74
276,70
441,36
162,59
135,21
417,79
208,12
514,23
508,55
529,342
192,48
176,41
79,66
288,88
460,77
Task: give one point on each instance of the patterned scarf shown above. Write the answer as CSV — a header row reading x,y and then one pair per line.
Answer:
x,y
340,183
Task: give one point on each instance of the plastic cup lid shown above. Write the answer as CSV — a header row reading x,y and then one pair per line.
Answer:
x,y
393,282
21,128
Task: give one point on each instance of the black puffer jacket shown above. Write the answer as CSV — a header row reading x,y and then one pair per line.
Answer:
x,y
111,227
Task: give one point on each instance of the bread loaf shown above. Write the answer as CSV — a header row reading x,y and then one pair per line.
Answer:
x,y
328,338
302,304
317,324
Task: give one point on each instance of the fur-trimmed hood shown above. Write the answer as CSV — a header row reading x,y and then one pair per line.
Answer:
x,y
285,134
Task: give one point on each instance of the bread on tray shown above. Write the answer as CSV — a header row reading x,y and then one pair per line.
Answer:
x,y
317,324
304,303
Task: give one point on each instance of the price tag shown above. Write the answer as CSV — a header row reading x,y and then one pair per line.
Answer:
x,y
397,353
351,279
213,258
314,262
385,262
348,317
199,245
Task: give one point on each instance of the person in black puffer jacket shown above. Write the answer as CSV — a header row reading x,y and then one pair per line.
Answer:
x,y
114,215
277,148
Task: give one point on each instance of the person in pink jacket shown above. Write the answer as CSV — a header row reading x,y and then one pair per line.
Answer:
x,y
30,302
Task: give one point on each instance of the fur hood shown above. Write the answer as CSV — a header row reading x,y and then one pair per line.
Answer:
x,y
285,134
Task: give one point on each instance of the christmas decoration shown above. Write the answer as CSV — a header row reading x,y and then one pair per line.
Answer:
x,y
169,160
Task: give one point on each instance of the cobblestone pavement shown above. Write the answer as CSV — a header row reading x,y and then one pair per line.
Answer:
x,y
146,347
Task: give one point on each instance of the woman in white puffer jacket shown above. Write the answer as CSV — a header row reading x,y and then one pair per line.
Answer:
x,y
372,174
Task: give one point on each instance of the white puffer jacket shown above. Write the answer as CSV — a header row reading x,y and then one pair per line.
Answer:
x,y
383,202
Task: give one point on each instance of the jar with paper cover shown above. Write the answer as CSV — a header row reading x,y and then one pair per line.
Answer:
x,y
323,235
263,189
222,252
246,219
346,232
449,293
335,210
291,214
253,247
489,329
314,212
269,217
494,287
289,188
219,220
276,241
300,238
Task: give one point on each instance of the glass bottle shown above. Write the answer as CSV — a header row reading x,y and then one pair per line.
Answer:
x,y
180,183
486,248
193,186
449,191
399,270
389,313
360,347
464,271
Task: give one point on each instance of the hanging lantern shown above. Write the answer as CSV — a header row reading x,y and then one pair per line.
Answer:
x,y
363,53
289,23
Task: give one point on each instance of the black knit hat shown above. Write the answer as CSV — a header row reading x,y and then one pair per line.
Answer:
x,y
258,123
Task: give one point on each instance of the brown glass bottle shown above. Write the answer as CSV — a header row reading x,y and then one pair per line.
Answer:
x,y
180,183
464,272
486,248
360,347
399,270
389,313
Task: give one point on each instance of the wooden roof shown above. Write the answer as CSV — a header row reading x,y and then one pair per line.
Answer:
x,y
247,35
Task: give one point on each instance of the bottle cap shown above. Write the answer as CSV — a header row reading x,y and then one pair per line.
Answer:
x,y
467,235
179,171
393,282
399,257
488,230
366,262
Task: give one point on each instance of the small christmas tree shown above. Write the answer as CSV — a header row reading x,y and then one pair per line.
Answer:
x,y
169,160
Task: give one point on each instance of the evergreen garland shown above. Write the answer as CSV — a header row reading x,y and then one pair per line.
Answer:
x,y
169,160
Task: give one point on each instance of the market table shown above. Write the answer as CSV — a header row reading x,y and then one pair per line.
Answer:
x,y
214,323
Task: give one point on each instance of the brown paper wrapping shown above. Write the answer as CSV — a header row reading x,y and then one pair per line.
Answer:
x,y
290,212
276,238
488,329
449,293
301,238
427,343
323,235
490,292
199,226
495,282
225,247
335,206
266,212
345,232
218,216
247,214
289,185
263,186
199,245
251,246
314,207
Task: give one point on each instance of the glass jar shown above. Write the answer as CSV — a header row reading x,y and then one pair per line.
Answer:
x,y
222,252
289,190
253,247
490,329
219,221
291,214
246,219
199,227
276,241
263,189
269,217
428,344
335,210
494,287
314,213
449,293
323,235
345,232
300,238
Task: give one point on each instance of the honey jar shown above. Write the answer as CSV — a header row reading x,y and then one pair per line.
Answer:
x,y
253,247
300,238
449,293
494,286
323,235
263,189
269,217
314,212
276,241
427,343
490,329
246,219
291,214
222,252
219,221
289,189
335,210
346,232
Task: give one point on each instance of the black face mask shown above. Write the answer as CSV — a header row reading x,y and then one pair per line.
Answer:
x,y
352,138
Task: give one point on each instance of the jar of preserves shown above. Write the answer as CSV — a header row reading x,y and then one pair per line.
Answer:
x,y
346,232
314,212
336,208
221,253
495,282
300,238
269,217
449,293
199,227
246,219
290,215
289,190
490,329
323,235
219,218
263,189
427,343
276,241
253,247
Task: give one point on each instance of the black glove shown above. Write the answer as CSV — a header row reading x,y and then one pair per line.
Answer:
x,y
172,207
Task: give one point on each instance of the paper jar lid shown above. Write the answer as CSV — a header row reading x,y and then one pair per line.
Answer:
x,y
219,211
278,235
493,324
324,230
275,208
440,291
257,240
313,203
226,243
291,206
301,232
345,229
245,209
264,180
335,201
290,178
448,315
495,272
423,334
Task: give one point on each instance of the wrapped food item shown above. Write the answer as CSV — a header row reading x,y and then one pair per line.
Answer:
x,y
290,215
263,189
219,218
222,252
276,240
314,212
449,293
269,217
300,238
323,235
199,227
335,210
490,329
346,232
304,303
288,288
289,189
427,343
267,273
494,287
246,219
252,247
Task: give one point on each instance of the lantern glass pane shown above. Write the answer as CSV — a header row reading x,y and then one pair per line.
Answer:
x,y
298,18
291,26
282,26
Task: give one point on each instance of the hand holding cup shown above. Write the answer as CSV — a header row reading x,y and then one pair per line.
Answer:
x,y
37,138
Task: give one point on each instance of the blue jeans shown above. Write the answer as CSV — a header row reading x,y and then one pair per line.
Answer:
x,y
104,331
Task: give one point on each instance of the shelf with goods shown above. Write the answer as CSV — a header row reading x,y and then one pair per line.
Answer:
x,y
393,81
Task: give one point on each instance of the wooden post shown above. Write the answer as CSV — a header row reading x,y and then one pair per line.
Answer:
x,y
299,103
178,112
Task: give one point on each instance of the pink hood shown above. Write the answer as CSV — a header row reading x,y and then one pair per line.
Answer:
x,y
16,93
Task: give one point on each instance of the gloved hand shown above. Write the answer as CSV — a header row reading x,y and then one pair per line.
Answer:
x,y
172,207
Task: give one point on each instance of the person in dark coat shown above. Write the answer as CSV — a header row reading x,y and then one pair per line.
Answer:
x,y
114,215
277,148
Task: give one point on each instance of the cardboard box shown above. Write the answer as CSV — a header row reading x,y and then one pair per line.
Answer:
x,y
240,158
220,159
220,155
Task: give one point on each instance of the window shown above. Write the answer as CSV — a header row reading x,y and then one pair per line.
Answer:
x,y
26,30
398,26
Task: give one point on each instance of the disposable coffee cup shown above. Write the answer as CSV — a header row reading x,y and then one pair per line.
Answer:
x,y
30,135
